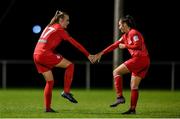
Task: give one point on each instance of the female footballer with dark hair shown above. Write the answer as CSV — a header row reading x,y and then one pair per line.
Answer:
x,y
137,65
46,58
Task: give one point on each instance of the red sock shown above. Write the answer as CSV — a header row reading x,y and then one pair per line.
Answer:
x,y
48,93
118,85
68,78
134,98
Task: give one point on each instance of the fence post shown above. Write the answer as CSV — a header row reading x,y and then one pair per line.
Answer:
x,y
4,74
87,75
172,76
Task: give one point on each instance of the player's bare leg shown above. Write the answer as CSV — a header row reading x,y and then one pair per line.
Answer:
x,y
68,77
48,90
118,84
135,81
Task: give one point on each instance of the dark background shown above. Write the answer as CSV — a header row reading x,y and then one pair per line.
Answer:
x,y
91,24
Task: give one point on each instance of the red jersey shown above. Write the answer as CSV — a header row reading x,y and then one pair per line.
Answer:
x,y
52,36
133,41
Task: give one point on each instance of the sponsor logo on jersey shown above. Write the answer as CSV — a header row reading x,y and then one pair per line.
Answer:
x,y
42,41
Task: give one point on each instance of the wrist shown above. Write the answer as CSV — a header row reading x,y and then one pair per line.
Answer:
x,y
88,55
101,53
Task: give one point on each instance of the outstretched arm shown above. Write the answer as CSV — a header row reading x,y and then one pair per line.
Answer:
x,y
78,46
66,36
110,48
82,49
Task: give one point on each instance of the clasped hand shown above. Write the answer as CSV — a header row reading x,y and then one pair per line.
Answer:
x,y
95,58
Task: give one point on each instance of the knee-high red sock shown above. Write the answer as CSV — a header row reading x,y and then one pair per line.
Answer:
x,y
118,85
134,98
48,94
68,78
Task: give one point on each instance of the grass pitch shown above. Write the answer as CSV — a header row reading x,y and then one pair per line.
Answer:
x,y
28,103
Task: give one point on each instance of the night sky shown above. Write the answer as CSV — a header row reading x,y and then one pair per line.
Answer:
x,y
91,24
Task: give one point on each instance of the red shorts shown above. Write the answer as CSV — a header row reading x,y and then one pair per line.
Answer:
x,y
45,62
138,66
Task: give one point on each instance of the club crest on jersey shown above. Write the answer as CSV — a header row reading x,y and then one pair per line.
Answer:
x,y
135,38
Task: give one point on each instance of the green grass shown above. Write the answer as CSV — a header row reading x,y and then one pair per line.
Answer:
x,y
28,103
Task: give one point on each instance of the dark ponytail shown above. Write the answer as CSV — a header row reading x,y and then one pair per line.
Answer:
x,y
129,20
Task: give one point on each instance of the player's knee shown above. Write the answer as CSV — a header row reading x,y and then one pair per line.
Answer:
x,y
134,87
116,73
71,65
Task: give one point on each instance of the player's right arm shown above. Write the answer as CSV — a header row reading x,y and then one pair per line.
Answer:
x,y
112,47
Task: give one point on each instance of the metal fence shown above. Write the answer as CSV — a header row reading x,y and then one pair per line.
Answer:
x,y
4,64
